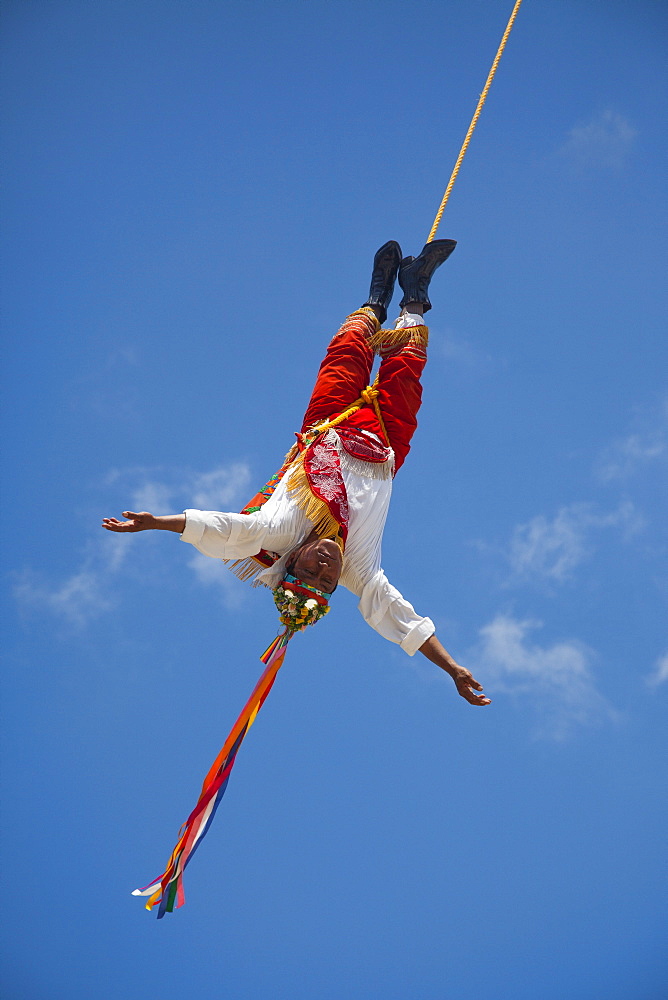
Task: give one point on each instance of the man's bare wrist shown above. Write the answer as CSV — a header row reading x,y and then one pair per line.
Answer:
x,y
170,522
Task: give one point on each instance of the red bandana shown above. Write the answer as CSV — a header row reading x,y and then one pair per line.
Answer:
x,y
323,471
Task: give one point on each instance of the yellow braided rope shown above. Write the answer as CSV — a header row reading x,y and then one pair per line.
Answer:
x,y
474,120
369,395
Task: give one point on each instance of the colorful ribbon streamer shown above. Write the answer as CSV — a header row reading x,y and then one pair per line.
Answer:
x,y
167,889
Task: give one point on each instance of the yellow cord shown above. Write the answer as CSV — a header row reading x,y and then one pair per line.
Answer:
x,y
369,395
474,120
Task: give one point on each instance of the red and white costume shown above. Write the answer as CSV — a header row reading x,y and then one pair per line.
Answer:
x,y
350,467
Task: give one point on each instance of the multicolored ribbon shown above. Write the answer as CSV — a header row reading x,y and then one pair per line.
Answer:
x,y
167,889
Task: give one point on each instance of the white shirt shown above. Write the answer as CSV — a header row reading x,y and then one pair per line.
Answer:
x,y
280,526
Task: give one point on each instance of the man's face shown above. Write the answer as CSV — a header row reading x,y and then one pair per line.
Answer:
x,y
318,562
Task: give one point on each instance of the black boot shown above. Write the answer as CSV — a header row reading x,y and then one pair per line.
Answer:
x,y
385,267
415,272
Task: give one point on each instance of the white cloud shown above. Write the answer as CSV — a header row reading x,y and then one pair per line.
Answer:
x,y
219,489
83,595
553,548
76,600
223,488
456,349
215,573
155,497
88,591
604,141
111,550
660,673
556,680
628,455
165,491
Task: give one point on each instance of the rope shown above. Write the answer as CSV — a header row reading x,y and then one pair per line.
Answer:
x,y
369,395
474,120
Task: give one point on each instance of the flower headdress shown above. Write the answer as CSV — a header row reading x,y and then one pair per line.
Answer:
x,y
299,604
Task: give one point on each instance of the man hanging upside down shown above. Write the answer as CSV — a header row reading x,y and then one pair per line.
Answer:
x,y
320,520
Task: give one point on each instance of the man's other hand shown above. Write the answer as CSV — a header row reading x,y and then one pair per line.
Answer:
x,y
468,686
465,682
135,522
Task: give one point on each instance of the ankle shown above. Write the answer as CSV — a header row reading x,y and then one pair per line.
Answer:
x,y
416,308
378,311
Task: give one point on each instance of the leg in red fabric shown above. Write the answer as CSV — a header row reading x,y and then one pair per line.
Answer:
x,y
400,389
345,370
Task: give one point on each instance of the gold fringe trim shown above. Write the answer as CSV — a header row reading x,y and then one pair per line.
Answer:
x,y
316,510
415,336
365,311
246,569
249,569
290,456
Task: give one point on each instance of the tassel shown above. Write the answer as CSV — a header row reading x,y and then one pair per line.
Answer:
x,y
275,648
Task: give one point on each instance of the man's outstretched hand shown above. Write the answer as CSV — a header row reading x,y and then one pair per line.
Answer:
x,y
465,682
135,522
145,522
468,686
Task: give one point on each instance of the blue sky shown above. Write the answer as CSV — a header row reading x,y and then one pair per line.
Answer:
x,y
193,194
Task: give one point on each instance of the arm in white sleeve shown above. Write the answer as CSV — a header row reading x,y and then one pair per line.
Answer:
x,y
224,536
386,611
